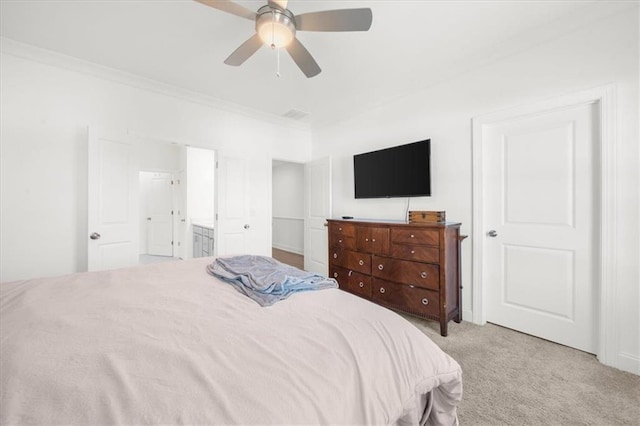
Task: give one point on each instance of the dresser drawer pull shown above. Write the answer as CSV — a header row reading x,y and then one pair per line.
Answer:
x,y
423,275
413,252
413,236
380,267
335,275
340,241
361,262
366,239
335,255
350,272
425,301
339,229
373,240
382,290
361,284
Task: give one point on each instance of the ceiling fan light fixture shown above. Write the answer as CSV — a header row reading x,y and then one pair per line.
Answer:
x,y
275,27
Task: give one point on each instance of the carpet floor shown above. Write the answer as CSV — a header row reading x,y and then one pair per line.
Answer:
x,y
511,378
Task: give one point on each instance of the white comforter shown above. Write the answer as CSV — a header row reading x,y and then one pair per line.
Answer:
x,y
169,344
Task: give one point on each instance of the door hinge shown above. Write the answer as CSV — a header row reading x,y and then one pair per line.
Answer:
x,y
216,164
171,182
171,242
171,212
216,216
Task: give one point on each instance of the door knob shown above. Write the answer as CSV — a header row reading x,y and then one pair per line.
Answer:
x,y
492,233
94,236
247,226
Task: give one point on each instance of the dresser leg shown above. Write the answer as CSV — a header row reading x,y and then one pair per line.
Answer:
x,y
443,328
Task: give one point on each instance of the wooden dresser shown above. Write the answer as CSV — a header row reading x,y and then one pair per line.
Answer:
x,y
410,267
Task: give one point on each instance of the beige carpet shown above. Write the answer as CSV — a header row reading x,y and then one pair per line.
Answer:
x,y
512,378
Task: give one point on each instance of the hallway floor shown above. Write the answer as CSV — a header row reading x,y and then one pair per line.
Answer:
x,y
288,257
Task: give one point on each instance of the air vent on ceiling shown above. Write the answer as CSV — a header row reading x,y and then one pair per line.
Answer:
x,y
294,114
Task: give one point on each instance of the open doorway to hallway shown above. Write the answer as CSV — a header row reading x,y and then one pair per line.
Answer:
x,y
156,217
288,213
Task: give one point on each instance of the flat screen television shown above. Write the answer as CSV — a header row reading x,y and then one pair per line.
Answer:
x,y
400,171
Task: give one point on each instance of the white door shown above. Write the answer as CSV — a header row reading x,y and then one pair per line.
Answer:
x,y
159,215
180,215
112,202
317,209
243,224
539,223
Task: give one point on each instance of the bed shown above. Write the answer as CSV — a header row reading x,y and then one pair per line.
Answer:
x,y
168,343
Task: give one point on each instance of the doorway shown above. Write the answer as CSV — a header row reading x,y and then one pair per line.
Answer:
x,y
118,231
288,213
542,231
156,216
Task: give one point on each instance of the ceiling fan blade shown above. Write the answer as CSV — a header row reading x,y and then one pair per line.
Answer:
x,y
282,4
230,7
303,58
335,20
245,51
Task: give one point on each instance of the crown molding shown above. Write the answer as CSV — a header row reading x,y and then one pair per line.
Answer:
x,y
49,57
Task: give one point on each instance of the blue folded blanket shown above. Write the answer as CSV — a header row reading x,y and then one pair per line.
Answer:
x,y
266,280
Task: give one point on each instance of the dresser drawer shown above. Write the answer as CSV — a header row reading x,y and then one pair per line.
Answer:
x,y
345,229
407,298
342,241
415,252
353,282
359,284
339,257
360,262
423,275
372,240
341,275
352,260
415,236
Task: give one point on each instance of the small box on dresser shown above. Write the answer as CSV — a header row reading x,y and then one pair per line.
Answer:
x,y
410,267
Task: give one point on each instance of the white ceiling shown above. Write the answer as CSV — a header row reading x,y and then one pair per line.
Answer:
x,y
411,45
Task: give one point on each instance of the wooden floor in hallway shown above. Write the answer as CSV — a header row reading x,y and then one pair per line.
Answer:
x,y
287,257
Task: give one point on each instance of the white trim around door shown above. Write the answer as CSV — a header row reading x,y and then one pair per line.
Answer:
x,y
606,330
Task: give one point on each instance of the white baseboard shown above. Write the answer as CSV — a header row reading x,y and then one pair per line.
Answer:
x,y
467,315
296,250
625,362
628,362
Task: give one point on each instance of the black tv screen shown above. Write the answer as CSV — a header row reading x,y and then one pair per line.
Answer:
x,y
401,171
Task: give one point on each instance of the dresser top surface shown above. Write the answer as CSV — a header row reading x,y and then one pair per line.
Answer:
x,y
397,223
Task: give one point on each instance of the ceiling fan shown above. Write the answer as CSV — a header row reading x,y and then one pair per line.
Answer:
x,y
276,27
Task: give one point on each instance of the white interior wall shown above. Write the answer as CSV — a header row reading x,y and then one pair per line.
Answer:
x,y
201,165
47,103
288,207
43,229
599,53
158,156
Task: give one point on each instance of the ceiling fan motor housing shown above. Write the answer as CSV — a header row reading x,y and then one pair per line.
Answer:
x,y
276,27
